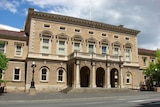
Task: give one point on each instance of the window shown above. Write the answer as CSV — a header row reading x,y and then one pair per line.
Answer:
x,y
1,74
18,50
144,61
76,46
128,78
62,28
104,49
2,47
104,34
46,26
45,45
44,74
116,51
61,48
126,38
46,39
90,48
16,74
116,37
60,75
77,30
91,32
128,54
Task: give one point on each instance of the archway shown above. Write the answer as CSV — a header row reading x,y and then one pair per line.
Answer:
x,y
114,78
100,77
85,76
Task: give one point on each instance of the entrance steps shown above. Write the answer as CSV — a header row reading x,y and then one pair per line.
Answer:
x,y
95,90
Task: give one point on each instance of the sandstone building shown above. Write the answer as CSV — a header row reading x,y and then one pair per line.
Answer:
x,y
71,52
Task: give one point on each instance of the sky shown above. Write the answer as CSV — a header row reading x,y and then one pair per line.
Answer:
x,y
142,15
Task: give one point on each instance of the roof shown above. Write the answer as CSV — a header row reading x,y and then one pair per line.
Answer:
x,y
7,34
142,51
11,33
76,21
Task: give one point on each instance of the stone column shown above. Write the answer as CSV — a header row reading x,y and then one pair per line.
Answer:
x,y
121,77
107,76
93,76
77,85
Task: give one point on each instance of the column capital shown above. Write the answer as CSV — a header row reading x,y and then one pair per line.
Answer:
x,y
108,64
77,62
93,63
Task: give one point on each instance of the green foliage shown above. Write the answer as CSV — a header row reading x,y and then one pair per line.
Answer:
x,y
153,71
3,61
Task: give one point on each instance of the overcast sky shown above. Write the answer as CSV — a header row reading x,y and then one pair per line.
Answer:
x,y
143,15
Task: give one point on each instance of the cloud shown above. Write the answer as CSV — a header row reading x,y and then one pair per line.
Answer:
x,y
10,5
6,27
142,15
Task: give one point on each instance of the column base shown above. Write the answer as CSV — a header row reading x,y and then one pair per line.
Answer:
x,y
32,91
76,86
93,86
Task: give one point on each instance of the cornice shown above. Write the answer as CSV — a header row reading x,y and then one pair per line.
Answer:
x,y
81,22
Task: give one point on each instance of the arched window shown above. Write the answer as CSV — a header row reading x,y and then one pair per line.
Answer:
x,y
60,75
44,75
128,78
16,74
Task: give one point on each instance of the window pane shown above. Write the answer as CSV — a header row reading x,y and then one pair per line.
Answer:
x,y
18,49
116,51
2,46
127,53
77,46
60,75
104,49
91,47
45,45
16,74
44,74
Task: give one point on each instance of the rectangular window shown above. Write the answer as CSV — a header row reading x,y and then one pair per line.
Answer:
x,y
18,49
91,32
2,47
104,49
90,48
45,45
76,46
16,74
116,51
77,30
62,28
144,61
61,49
128,56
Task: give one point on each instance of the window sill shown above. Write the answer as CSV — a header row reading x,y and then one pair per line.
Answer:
x,y
43,81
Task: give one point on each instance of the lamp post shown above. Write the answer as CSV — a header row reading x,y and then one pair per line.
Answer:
x,y
32,82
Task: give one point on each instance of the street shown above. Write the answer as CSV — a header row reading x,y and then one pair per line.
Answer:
x,y
140,99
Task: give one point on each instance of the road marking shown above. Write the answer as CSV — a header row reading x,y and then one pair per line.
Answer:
x,y
137,101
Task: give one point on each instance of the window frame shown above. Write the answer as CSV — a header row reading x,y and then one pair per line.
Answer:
x,y
119,53
130,55
4,48
102,49
62,76
89,48
19,51
60,47
128,78
19,74
41,74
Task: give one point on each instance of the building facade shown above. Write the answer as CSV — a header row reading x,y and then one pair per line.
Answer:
x,y
72,52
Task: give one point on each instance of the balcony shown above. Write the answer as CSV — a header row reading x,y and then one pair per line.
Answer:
x,y
95,56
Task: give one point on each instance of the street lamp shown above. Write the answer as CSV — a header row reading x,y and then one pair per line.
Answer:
x,y
32,82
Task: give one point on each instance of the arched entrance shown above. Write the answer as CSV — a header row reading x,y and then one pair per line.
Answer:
x,y
85,76
100,77
114,78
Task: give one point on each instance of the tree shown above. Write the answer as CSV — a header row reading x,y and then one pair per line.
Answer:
x,y
3,63
153,70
